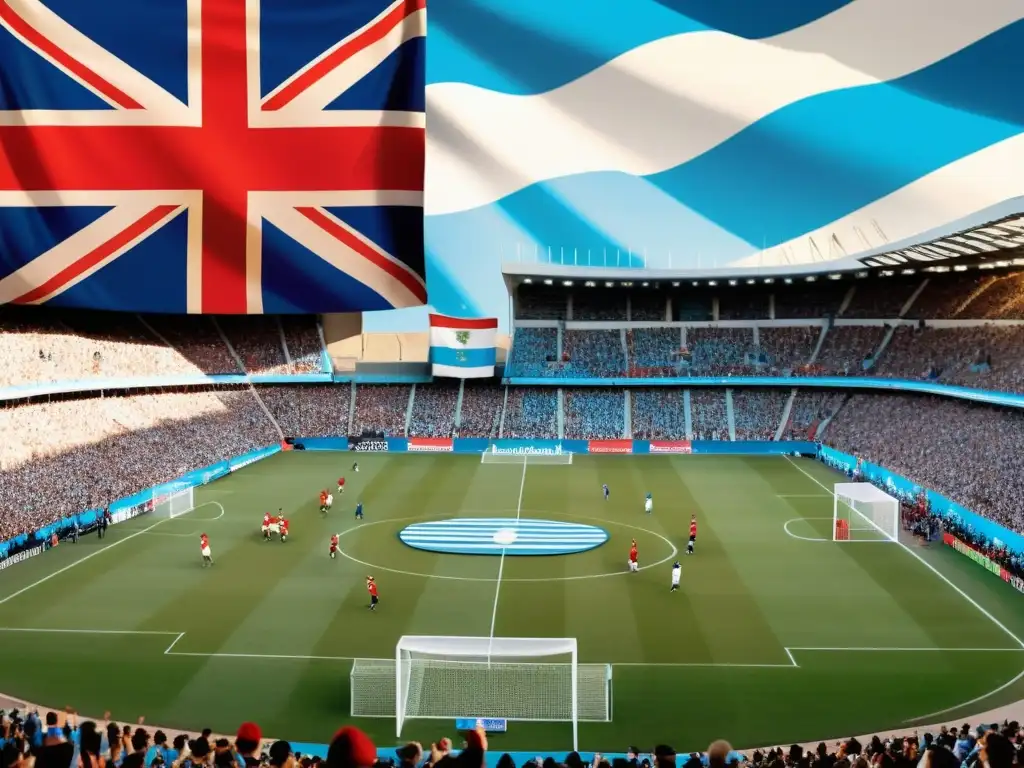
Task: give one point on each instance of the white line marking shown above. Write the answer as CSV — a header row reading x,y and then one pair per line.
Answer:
x,y
400,572
700,664
927,565
968,703
501,563
87,631
884,649
785,527
280,656
802,495
174,642
789,652
107,548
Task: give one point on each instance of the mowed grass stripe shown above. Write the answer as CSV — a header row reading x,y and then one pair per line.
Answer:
x,y
730,617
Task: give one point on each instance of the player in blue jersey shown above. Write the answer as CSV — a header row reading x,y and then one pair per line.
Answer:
x,y
359,511
606,491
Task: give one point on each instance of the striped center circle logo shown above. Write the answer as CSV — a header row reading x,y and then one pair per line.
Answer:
x,y
498,535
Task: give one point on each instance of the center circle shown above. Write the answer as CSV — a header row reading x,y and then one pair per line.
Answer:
x,y
505,536
674,550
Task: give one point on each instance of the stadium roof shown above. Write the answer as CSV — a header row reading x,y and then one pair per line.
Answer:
x,y
997,243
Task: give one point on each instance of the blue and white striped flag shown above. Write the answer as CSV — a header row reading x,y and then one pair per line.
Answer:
x,y
463,349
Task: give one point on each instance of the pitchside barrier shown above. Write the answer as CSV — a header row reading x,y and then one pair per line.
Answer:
x,y
132,506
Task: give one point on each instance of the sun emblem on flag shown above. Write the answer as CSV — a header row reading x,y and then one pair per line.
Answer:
x,y
462,337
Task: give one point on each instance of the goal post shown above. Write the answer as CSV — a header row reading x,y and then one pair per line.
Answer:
x,y
863,512
510,678
556,456
175,503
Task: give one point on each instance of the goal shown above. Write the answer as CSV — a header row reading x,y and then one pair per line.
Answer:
x,y
862,512
530,456
511,678
175,503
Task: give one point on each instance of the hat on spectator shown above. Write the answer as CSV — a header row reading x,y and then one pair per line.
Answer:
x,y
280,751
664,750
249,732
351,748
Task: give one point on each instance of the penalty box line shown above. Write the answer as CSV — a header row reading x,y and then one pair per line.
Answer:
x,y
923,562
791,651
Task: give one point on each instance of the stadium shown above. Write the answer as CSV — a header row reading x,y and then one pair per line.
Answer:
x,y
514,443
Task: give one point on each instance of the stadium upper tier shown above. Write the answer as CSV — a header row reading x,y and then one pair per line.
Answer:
x,y
954,329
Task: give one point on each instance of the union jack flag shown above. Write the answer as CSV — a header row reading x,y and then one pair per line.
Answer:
x,y
214,156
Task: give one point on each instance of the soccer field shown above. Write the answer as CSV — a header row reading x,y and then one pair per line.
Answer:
x,y
778,634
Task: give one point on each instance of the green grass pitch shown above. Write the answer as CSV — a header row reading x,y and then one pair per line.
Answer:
x,y
773,638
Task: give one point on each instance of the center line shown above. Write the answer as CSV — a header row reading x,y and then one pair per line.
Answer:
x,y
501,563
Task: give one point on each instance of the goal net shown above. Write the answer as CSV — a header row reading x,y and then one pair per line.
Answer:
x,y
862,512
513,678
175,503
494,455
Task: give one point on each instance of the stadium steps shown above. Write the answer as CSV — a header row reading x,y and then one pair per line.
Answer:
x,y
786,413
561,410
687,415
352,409
730,416
627,415
284,343
504,410
457,422
818,346
408,410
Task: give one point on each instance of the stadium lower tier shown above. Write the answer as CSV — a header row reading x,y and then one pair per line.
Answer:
x,y
85,451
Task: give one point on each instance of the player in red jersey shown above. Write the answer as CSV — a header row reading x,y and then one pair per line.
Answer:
x,y
341,485
323,500
633,566
693,534
204,547
283,527
371,587
334,546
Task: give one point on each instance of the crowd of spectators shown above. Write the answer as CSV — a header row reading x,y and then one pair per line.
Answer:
x,y
57,740
654,351
433,409
848,350
810,409
599,304
592,414
47,347
534,353
658,414
66,345
987,356
531,412
719,351
708,414
881,298
743,303
782,351
968,452
381,408
76,454
757,413
481,410
593,354
648,306
541,302
317,410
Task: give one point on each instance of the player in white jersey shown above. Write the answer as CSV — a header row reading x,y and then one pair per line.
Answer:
x,y
677,572
649,504
330,500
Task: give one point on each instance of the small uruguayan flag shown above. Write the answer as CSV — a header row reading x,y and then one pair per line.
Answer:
x,y
464,349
